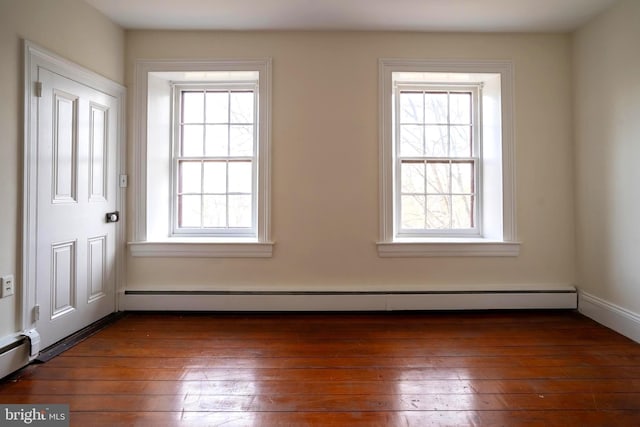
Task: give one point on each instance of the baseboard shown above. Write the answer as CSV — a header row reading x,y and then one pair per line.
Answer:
x,y
14,354
565,298
610,315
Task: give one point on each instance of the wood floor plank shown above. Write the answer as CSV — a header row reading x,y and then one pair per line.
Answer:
x,y
366,419
356,346
346,350
349,362
266,387
343,374
197,402
542,368
326,331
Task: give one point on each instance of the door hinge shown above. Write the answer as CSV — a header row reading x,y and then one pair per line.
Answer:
x,y
37,90
36,312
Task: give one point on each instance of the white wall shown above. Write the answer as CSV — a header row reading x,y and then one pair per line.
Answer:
x,y
76,31
607,152
325,162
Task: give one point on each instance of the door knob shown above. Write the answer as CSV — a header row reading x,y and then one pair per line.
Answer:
x,y
113,216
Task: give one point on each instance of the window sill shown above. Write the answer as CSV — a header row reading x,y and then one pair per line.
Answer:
x,y
447,248
202,248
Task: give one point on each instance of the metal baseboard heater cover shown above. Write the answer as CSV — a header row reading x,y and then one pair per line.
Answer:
x,y
563,298
13,356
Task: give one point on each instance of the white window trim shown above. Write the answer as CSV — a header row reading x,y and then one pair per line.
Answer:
x,y
261,246
505,243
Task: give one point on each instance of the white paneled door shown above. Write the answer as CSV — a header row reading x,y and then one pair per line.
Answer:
x,y
76,189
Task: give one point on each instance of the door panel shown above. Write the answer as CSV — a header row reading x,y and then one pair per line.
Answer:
x,y
63,278
76,247
98,153
65,147
96,268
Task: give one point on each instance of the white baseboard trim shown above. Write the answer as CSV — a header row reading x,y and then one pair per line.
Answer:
x,y
347,301
610,315
14,354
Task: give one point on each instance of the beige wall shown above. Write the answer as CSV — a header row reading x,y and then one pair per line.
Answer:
x,y
607,129
76,31
325,162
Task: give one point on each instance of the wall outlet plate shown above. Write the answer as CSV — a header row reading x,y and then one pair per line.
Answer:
x,y
7,283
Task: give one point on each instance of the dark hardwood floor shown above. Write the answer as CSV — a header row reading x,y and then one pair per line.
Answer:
x,y
527,368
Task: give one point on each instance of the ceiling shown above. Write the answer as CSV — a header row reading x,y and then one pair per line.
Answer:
x,y
377,15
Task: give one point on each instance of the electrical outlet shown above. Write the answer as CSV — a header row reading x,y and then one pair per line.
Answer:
x,y
7,286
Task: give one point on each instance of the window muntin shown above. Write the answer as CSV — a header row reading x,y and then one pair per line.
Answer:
x,y
215,160
437,160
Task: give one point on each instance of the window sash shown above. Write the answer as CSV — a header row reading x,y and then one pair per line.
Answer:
x,y
429,158
201,194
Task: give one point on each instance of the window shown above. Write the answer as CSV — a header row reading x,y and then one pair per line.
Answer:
x,y
214,160
201,152
446,144
437,159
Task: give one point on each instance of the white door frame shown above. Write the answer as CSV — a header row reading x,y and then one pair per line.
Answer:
x,y
35,57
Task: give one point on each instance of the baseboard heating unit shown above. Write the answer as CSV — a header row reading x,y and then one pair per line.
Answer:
x,y
552,298
14,354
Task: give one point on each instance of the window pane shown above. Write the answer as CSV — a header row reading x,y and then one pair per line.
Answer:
x,y
192,138
461,141
239,211
411,140
462,207
217,140
412,212
411,108
241,107
436,109
438,178
189,179
462,178
241,140
412,180
189,211
215,177
214,211
460,108
193,107
436,141
438,214
435,155
240,177
217,107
